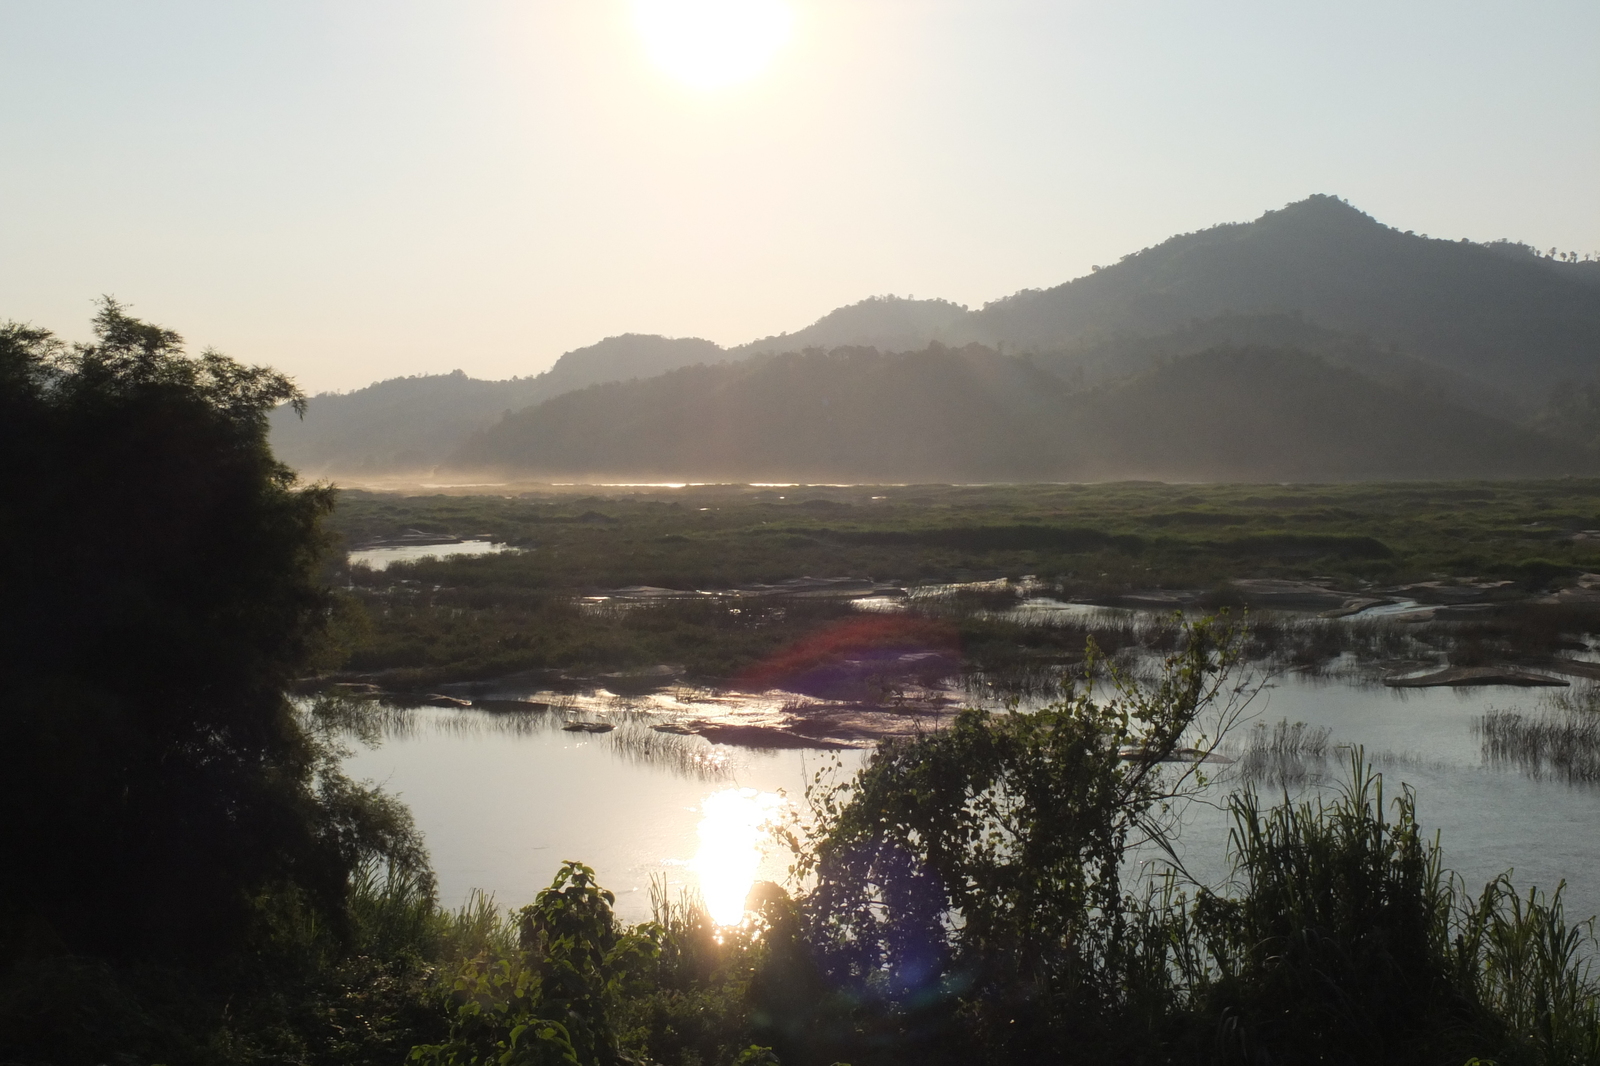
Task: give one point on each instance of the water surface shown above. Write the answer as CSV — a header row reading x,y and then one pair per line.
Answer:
x,y
502,804
380,558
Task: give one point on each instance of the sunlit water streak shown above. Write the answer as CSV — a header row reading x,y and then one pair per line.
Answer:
x,y
380,558
503,798
734,838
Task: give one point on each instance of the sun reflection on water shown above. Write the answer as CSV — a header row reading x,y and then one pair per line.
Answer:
x,y
733,829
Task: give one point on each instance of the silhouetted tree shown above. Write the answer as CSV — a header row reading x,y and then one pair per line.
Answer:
x,y
160,582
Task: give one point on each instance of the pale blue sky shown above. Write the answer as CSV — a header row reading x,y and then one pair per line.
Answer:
x,y
360,189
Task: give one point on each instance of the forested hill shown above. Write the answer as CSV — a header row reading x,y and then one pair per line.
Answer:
x,y
1496,312
414,423
972,414
1265,414
1123,355
888,323
1495,328
852,413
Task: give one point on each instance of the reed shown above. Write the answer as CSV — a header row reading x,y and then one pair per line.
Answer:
x,y
1553,742
1284,755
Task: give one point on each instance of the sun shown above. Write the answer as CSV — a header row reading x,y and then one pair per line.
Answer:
x,y
710,44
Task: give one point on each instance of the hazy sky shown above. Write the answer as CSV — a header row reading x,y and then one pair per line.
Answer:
x,y
358,189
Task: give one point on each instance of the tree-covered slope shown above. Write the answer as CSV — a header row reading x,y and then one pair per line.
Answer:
x,y
1497,312
412,424
972,414
888,323
1109,360
1264,414
851,413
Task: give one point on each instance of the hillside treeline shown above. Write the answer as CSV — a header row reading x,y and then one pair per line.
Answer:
x,y
972,414
1497,330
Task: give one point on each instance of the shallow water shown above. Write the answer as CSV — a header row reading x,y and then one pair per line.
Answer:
x,y
502,808
380,558
502,804
1490,818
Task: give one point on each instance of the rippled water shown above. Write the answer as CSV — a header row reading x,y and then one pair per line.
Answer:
x,y
1491,818
503,800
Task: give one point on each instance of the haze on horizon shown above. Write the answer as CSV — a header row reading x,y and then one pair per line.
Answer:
x,y
361,191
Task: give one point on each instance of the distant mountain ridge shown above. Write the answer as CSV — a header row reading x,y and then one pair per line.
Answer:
x,y
415,423
1488,328
972,414
852,413
888,323
1496,313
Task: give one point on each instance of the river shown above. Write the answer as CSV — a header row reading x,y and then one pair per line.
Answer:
x,y
503,799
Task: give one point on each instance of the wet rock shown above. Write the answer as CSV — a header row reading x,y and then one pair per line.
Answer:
x,y
1456,592
765,737
1154,599
502,706
588,727
356,690
1573,668
1355,606
1176,755
1463,676
1279,595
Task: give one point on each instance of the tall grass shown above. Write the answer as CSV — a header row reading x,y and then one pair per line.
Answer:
x,y
1284,755
396,912
1344,940
1560,739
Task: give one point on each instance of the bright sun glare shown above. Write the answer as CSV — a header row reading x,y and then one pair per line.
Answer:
x,y
732,830
713,43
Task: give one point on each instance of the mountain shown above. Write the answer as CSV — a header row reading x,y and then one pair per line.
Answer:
x,y
1498,313
888,323
1098,363
412,424
632,355
972,414
850,413
399,424
1495,329
1274,414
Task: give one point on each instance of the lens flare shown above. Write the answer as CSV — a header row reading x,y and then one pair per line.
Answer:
x,y
713,43
733,828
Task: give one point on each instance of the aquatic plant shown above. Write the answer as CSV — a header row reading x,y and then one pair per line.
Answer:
x,y
1284,755
1551,742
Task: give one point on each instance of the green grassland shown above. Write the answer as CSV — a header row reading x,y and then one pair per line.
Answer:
x,y
473,617
1089,536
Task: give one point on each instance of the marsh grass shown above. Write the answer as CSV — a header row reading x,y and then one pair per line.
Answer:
x,y
1560,739
1344,939
632,739
1551,743
1284,755
693,757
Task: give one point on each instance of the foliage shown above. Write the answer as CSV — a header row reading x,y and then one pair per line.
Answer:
x,y
558,998
169,813
983,864
1337,944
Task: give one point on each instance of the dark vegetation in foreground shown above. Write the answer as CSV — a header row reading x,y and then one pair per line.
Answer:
x,y
186,877
967,902
474,618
